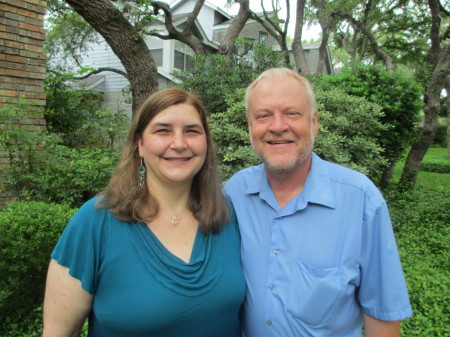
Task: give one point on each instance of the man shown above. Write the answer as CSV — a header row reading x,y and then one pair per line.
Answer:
x,y
318,250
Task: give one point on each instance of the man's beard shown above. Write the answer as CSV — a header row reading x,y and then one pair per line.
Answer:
x,y
296,161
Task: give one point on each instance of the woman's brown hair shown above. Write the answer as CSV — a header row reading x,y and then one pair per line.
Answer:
x,y
129,202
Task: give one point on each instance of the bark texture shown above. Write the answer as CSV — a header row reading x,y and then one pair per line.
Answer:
x,y
125,42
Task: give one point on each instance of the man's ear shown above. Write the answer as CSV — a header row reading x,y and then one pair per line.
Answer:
x,y
316,123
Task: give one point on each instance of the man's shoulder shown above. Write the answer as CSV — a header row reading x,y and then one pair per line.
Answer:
x,y
340,174
244,178
248,173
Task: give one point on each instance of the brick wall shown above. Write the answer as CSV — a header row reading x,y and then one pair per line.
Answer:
x,y
22,64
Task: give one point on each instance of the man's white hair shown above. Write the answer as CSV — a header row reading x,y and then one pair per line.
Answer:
x,y
282,73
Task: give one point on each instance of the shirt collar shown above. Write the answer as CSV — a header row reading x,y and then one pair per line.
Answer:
x,y
317,190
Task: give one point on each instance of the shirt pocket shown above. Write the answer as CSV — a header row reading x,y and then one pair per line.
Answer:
x,y
314,293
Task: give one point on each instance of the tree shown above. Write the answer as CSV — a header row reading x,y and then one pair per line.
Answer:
x,y
126,43
297,49
439,65
123,24
408,33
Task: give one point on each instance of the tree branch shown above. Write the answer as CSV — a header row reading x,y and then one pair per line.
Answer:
x,y
99,70
365,31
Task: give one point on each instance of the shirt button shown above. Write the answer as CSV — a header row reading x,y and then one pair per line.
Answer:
x,y
271,286
269,322
276,251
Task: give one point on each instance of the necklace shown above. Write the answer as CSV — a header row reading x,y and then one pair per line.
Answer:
x,y
174,220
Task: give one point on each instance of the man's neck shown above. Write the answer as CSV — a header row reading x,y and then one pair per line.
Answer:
x,y
287,184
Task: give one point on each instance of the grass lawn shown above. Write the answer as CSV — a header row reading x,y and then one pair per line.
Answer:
x,y
427,179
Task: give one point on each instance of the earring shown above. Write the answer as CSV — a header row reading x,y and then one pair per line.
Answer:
x,y
141,174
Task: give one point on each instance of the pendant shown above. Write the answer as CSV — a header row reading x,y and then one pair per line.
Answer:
x,y
174,220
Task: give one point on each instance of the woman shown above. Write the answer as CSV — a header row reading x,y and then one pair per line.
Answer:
x,y
156,254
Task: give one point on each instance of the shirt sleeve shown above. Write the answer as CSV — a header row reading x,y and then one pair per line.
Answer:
x,y
382,294
79,247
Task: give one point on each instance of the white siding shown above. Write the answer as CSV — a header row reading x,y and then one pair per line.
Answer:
x,y
103,56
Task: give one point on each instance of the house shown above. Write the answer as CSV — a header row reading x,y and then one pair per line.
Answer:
x,y
170,55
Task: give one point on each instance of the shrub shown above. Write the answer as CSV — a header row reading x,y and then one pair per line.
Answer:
x,y
213,77
399,97
349,127
28,233
435,165
230,132
440,138
56,173
420,219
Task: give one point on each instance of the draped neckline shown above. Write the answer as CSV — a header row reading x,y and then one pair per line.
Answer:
x,y
191,278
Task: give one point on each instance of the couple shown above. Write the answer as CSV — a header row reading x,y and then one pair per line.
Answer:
x,y
159,252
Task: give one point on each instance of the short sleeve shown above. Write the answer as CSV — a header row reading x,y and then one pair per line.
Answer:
x,y
80,246
383,293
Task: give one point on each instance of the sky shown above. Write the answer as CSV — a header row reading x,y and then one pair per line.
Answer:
x,y
255,5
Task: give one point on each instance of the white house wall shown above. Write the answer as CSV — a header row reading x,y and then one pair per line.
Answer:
x,y
205,17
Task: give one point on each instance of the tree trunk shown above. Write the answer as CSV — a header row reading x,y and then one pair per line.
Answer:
x,y
386,176
238,23
431,120
184,36
297,49
447,89
125,42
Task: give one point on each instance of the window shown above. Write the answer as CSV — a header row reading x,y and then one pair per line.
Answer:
x,y
157,55
182,61
263,37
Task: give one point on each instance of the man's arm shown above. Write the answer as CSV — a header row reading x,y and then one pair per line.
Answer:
x,y
377,328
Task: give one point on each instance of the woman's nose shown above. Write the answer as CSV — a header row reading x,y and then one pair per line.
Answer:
x,y
178,142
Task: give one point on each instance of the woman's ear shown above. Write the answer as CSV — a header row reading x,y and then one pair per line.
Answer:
x,y
139,144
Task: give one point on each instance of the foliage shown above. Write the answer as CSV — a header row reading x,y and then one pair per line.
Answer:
x,y
42,170
440,138
75,115
436,161
213,77
420,219
28,233
56,173
425,179
436,165
397,94
68,35
229,130
23,325
349,129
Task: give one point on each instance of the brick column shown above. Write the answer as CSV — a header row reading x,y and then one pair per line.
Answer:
x,y
22,64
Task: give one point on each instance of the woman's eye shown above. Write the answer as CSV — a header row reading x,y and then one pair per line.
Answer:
x,y
161,130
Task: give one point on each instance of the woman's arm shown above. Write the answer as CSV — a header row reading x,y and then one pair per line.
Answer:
x,y
66,304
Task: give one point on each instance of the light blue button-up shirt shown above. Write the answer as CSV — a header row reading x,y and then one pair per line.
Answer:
x,y
313,267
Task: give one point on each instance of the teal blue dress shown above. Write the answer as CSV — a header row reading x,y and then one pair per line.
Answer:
x,y
141,289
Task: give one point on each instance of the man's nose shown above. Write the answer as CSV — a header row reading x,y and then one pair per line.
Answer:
x,y
278,124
